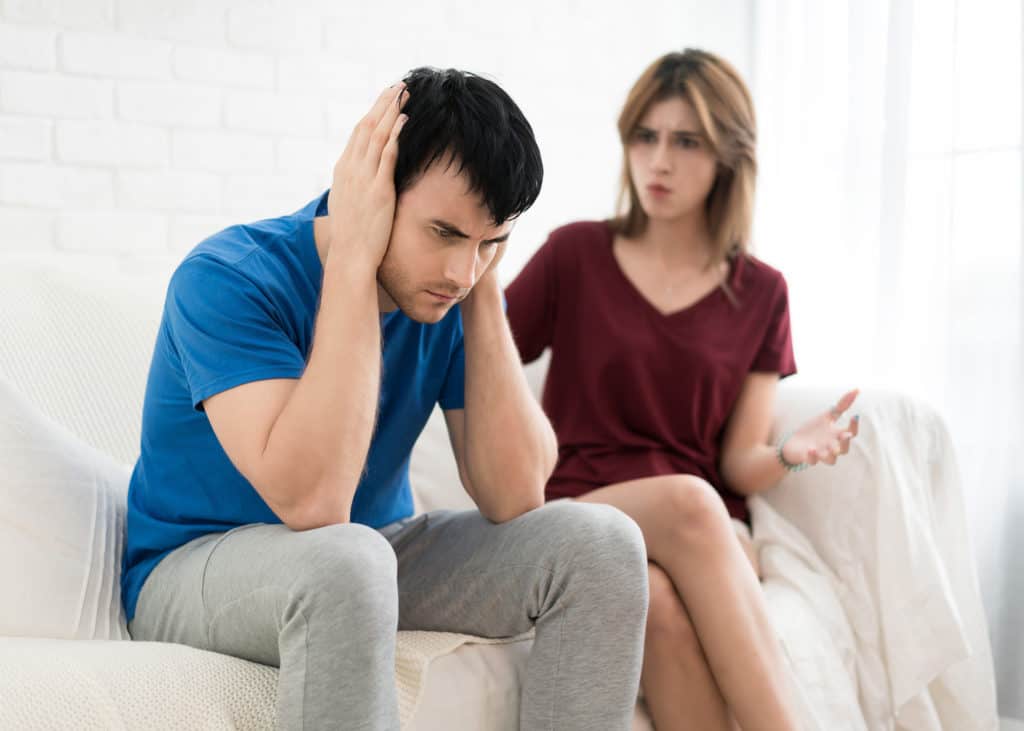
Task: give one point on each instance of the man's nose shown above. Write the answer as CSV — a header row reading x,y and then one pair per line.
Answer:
x,y
460,268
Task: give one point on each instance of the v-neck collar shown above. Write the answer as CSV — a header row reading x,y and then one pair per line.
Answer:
x,y
731,276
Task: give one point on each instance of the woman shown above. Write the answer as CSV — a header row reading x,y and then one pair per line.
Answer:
x,y
668,341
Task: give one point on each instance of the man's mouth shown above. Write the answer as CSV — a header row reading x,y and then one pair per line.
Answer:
x,y
443,297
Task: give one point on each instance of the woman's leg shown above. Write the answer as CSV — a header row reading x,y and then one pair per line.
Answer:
x,y
680,691
690,536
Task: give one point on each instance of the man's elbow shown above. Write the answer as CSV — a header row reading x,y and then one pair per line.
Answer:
x,y
317,509
505,513
528,497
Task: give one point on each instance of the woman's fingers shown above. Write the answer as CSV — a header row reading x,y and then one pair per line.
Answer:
x,y
843,404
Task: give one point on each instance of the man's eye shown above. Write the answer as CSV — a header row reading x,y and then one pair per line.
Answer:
x,y
443,233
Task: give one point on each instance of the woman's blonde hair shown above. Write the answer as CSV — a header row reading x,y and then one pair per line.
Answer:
x,y
726,112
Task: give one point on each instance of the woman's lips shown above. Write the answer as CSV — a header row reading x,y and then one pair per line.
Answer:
x,y
656,189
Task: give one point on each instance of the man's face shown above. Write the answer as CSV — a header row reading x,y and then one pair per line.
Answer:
x,y
442,241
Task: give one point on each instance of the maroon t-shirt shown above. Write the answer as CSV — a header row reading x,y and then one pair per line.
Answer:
x,y
631,392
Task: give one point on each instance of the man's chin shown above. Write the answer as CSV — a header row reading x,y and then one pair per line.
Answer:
x,y
425,314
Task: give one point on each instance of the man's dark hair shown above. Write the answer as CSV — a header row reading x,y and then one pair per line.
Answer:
x,y
458,118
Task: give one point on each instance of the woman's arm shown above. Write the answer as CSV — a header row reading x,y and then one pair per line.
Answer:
x,y
750,464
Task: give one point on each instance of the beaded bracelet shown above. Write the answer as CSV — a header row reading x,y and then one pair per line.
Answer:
x,y
791,467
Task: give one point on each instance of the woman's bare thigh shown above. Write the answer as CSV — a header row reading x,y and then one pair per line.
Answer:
x,y
645,501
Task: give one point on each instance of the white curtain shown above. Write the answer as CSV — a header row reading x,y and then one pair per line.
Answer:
x,y
890,194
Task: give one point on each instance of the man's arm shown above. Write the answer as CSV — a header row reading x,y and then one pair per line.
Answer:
x,y
302,443
504,444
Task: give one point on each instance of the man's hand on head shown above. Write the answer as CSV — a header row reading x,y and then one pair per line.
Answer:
x,y
361,203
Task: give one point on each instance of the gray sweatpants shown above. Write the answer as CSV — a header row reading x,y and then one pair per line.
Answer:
x,y
324,605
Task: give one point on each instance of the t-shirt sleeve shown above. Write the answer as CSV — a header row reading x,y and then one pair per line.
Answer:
x,y
776,352
225,330
532,303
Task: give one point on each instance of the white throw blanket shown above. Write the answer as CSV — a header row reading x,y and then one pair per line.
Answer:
x,y
888,535
109,684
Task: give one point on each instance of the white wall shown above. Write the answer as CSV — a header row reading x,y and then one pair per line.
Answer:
x,y
140,126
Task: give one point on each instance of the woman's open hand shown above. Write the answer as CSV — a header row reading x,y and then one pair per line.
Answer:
x,y
823,438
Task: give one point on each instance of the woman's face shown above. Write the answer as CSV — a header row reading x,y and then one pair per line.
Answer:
x,y
670,161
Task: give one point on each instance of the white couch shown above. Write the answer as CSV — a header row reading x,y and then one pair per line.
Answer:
x,y
869,577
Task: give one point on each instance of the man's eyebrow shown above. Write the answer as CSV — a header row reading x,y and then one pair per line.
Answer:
x,y
453,230
501,239
449,228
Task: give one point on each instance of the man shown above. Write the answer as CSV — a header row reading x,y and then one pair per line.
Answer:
x,y
269,511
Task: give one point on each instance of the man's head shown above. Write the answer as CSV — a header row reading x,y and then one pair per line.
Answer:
x,y
468,165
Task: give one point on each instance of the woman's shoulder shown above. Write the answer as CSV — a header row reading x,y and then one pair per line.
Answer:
x,y
581,234
753,274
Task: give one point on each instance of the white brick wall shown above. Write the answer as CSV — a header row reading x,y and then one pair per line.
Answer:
x,y
27,48
141,126
55,96
25,138
110,54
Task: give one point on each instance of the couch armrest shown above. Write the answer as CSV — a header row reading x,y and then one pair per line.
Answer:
x,y
889,524
900,469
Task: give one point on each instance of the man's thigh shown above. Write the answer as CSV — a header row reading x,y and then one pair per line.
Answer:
x,y
230,592
458,572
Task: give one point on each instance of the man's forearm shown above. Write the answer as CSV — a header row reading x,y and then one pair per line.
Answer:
x,y
510,448
319,442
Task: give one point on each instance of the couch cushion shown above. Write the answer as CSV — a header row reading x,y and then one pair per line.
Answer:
x,y
78,336
48,684
61,529
153,685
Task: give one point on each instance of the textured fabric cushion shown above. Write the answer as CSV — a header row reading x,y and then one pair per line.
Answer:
x,y
53,684
61,529
47,684
77,335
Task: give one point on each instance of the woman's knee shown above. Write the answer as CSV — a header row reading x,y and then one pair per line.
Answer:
x,y
694,510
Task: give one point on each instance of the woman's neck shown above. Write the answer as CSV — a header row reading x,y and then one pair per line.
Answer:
x,y
683,243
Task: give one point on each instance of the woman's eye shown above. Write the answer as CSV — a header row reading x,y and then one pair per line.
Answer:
x,y
644,136
688,143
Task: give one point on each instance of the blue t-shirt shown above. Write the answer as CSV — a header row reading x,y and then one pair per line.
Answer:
x,y
241,307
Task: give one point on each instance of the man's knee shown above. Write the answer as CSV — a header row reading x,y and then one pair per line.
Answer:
x,y
601,540
347,567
